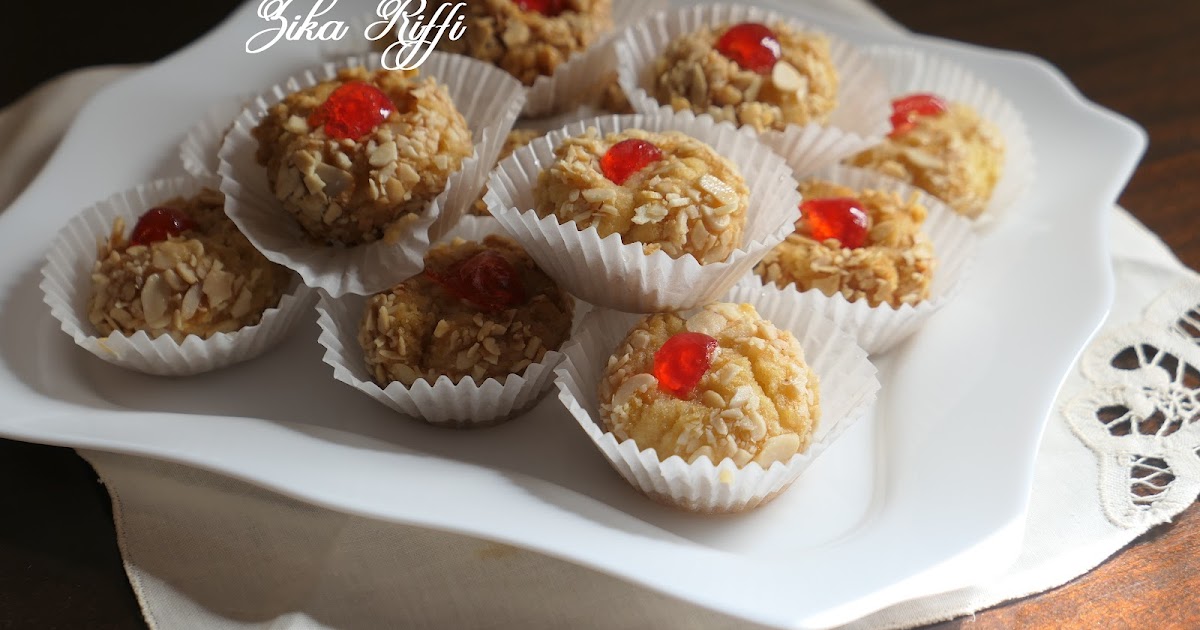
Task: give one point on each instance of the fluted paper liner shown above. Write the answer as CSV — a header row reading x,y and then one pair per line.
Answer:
x,y
198,151
607,272
848,386
573,82
464,405
863,108
910,71
488,98
67,286
879,328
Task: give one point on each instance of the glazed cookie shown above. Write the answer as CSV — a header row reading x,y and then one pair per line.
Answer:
x,y
723,383
516,139
864,245
480,309
184,270
667,191
530,38
943,148
351,157
766,77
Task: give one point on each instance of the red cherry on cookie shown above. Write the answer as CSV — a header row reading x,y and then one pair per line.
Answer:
x,y
486,280
159,223
905,111
682,361
352,111
752,46
842,218
548,8
628,157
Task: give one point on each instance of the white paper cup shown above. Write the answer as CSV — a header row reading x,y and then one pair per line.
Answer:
x,y
489,100
848,386
878,328
466,404
911,71
67,286
863,108
607,272
573,81
198,151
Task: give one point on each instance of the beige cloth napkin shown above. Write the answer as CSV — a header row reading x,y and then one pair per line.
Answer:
x,y
202,550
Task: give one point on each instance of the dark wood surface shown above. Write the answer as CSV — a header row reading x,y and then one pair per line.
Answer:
x,y
59,564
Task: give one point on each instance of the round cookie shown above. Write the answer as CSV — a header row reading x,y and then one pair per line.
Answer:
x,y
480,309
529,38
791,81
351,157
748,396
893,262
953,154
184,270
671,192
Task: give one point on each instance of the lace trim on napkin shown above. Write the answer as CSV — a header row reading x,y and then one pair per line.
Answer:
x,y
1141,416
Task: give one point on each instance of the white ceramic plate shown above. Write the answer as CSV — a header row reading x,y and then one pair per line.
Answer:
x,y
927,494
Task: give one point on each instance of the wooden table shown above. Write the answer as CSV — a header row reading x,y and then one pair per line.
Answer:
x,y
59,564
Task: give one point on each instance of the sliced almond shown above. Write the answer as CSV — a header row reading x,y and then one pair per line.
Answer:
x,y
154,302
779,448
786,78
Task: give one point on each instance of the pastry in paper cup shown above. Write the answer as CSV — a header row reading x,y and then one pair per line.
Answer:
x,y
573,80
846,386
920,279
198,151
862,107
464,402
911,72
68,286
611,273
487,99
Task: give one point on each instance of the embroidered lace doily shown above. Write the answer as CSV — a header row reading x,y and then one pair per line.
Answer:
x,y
1141,415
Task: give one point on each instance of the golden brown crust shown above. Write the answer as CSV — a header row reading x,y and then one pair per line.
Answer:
x,y
692,201
527,44
957,157
418,330
894,267
204,281
759,401
802,88
351,192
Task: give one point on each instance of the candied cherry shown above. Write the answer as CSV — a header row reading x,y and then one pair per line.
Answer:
x,y
905,111
842,218
159,223
752,46
352,110
627,157
548,8
682,361
486,280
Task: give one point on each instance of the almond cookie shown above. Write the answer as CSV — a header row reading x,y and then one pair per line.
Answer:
x,y
864,245
529,38
763,76
722,383
943,148
351,157
480,309
667,191
185,269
